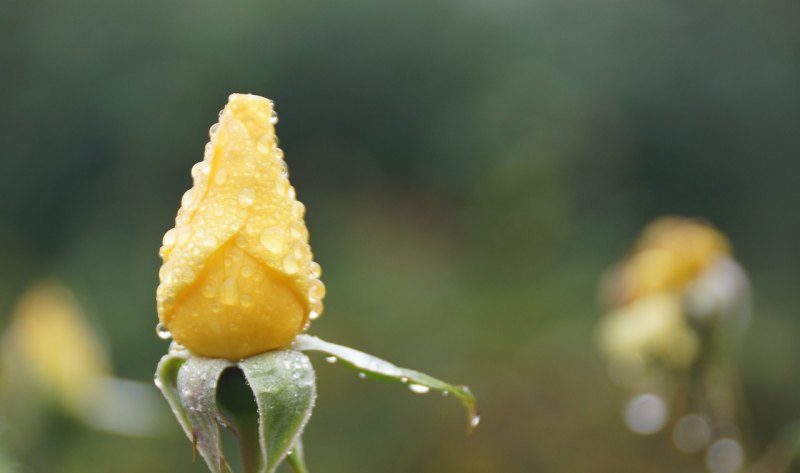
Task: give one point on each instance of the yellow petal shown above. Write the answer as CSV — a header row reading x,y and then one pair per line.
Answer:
x,y
671,253
238,277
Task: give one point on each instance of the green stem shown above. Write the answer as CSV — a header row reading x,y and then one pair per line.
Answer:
x,y
297,459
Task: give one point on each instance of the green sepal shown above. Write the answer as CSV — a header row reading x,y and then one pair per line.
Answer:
x,y
282,383
376,368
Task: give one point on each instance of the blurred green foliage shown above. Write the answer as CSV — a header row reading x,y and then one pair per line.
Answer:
x,y
469,168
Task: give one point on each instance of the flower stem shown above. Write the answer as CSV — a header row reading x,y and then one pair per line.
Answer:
x,y
297,459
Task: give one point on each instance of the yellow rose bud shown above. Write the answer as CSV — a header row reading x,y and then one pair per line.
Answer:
x,y
50,341
238,277
671,253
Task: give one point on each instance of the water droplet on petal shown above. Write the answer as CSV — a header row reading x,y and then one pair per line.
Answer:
x,y
162,332
213,130
187,275
292,193
170,238
210,241
184,232
247,196
221,176
200,169
315,269
418,388
274,118
188,198
273,239
331,359
283,166
229,295
264,144
290,264
316,289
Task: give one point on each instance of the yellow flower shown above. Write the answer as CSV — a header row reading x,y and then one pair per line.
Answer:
x,y
671,253
650,328
50,342
238,277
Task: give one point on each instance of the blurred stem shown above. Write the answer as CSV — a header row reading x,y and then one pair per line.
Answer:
x,y
297,458
779,456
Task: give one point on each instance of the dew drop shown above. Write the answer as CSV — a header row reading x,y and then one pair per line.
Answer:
x,y
200,169
210,241
184,232
292,193
283,166
418,388
316,309
273,239
298,209
188,198
264,144
228,293
282,186
475,420
445,393
247,196
298,230
316,289
221,176
278,153
213,130
170,238
403,380
315,269
290,264
331,359
162,332
187,275
362,375
274,118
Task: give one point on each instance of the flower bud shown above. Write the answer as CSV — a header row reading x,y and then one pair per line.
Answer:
x,y
670,254
238,277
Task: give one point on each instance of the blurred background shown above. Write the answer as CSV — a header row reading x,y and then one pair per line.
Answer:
x,y
470,170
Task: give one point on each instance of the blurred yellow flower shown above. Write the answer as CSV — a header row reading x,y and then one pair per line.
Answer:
x,y
50,343
238,276
649,328
670,254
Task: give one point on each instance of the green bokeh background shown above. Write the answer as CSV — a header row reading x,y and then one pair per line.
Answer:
x,y
470,168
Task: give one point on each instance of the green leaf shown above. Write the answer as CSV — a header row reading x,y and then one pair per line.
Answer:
x,y
382,370
285,389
